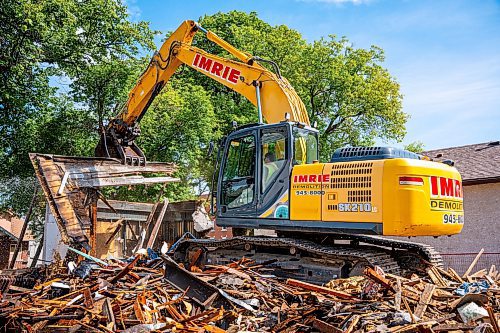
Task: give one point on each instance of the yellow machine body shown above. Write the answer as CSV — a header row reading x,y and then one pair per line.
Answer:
x,y
403,197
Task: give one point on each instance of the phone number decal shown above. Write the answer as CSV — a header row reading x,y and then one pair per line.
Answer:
x,y
309,192
453,219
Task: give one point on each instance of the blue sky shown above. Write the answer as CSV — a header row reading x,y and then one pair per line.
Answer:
x,y
445,54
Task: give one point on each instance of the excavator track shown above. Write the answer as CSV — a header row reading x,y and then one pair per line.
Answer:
x,y
290,257
312,259
419,251
412,257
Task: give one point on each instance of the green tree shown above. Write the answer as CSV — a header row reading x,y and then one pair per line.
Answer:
x,y
416,147
351,96
93,45
177,128
347,91
48,38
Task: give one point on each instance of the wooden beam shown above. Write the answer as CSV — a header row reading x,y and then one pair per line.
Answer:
x,y
23,230
123,181
493,319
145,228
325,327
38,252
318,289
473,263
425,297
156,227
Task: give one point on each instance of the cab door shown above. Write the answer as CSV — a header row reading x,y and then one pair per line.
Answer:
x,y
274,171
237,184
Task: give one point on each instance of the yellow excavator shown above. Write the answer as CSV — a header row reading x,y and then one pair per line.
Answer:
x,y
328,217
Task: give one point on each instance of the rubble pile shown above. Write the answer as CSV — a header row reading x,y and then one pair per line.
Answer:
x,y
158,295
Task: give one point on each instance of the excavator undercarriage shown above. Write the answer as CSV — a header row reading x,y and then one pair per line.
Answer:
x,y
313,258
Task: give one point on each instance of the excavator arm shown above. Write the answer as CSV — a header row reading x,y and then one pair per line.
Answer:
x,y
271,93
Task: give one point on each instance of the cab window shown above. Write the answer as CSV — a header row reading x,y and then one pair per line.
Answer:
x,y
305,146
238,182
273,155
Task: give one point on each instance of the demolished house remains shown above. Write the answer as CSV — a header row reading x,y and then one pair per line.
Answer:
x,y
152,293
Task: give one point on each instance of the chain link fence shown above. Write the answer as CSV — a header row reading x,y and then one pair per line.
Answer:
x,y
461,261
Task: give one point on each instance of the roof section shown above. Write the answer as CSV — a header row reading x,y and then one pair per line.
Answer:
x,y
478,163
11,226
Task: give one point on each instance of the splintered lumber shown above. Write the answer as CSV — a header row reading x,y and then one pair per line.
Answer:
x,y
455,275
424,300
407,306
23,229
325,327
397,297
68,182
372,274
156,226
493,319
436,277
160,295
125,270
318,289
472,264
352,324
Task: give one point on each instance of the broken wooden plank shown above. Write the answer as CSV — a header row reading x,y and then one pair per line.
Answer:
x,y
436,277
124,181
156,226
125,270
88,300
493,319
473,263
425,297
372,274
397,296
455,275
318,289
352,323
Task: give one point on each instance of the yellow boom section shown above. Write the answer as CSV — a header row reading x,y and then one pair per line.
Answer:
x,y
244,76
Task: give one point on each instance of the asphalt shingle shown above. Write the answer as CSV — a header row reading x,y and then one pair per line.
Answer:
x,y
477,162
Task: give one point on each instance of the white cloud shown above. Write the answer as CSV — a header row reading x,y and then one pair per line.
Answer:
x,y
133,9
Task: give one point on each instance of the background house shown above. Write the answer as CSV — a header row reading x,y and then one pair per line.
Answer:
x,y
10,229
479,165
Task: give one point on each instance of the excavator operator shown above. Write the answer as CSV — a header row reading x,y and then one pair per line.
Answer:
x,y
269,167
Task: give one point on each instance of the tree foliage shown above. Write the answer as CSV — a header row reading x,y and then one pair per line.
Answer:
x,y
93,45
49,38
416,147
351,96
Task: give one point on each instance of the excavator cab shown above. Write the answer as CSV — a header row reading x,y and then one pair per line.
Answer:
x,y
255,169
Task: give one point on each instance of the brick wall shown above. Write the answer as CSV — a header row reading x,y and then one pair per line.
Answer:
x,y
481,230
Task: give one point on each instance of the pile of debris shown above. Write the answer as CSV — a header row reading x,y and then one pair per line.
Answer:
x,y
150,293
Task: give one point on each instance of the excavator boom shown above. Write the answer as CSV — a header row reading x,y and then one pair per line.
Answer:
x,y
269,91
